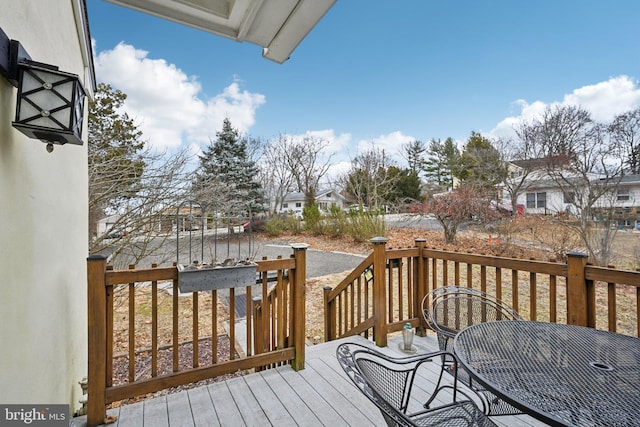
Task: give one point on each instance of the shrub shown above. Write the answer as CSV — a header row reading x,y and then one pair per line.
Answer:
x,y
280,224
360,226
312,219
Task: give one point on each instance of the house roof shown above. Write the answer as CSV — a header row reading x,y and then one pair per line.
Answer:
x,y
542,162
630,179
82,24
278,26
291,197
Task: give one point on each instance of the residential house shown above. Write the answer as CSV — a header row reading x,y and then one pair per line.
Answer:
x,y
44,216
627,202
293,203
45,230
539,194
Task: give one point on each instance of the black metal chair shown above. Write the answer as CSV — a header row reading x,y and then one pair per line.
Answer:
x,y
449,309
388,383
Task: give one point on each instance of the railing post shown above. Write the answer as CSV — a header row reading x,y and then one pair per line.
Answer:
x,y
329,316
577,298
258,325
379,291
419,288
299,304
97,339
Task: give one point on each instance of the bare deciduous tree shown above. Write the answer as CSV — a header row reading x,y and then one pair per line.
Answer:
x,y
276,173
143,216
523,155
308,164
369,178
625,130
585,164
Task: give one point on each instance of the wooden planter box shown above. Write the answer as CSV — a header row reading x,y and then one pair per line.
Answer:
x,y
206,279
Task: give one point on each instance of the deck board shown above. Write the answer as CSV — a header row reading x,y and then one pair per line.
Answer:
x,y
275,411
252,413
204,414
156,412
224,405
319,395
295,406
312,398
179,410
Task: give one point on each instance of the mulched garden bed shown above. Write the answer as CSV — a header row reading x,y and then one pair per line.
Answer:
x,y
165,366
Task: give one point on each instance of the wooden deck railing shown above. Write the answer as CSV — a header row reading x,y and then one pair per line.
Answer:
x,y
572,292
275,327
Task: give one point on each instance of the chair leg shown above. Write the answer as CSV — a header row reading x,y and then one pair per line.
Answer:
x,y
437,388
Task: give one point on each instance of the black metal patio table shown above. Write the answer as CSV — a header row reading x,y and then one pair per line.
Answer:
x,y
560,374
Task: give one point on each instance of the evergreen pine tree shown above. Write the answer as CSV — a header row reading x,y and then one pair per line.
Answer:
x,y
443,160
226,174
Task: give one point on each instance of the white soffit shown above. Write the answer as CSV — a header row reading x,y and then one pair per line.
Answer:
x,y
278,26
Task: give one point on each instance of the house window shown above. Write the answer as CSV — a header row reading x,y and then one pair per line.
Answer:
x,y
536,200
298,204
285,205
623,194
569,197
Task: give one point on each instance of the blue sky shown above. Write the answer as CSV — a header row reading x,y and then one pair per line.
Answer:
x,y
373,72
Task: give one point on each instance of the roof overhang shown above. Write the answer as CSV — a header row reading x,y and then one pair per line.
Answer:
x,y
278,26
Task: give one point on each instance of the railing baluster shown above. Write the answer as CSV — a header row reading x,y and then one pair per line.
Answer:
x,y
434,273
400,291
249,319
232,321
390,291
515,291
611,306
638,311
132,329
280,301
154,326
175,351
359,294
553,304
214,326
533,297
483,278
352,308
273,307
456,273
195,346
445,272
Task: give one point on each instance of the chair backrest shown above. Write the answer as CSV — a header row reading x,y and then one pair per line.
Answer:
x,y
386,383
449,309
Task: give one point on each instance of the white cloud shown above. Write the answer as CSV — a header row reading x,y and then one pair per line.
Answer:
x,y
166,103
606,99
337,145
392,144
603,100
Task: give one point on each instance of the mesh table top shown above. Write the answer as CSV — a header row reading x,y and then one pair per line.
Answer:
x,y
560,374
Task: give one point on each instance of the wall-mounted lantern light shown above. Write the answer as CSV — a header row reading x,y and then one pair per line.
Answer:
x,y
50,103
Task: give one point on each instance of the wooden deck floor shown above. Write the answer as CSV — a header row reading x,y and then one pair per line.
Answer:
x,y
319,395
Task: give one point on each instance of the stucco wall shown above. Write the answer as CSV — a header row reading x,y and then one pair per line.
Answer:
x,y
43,228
